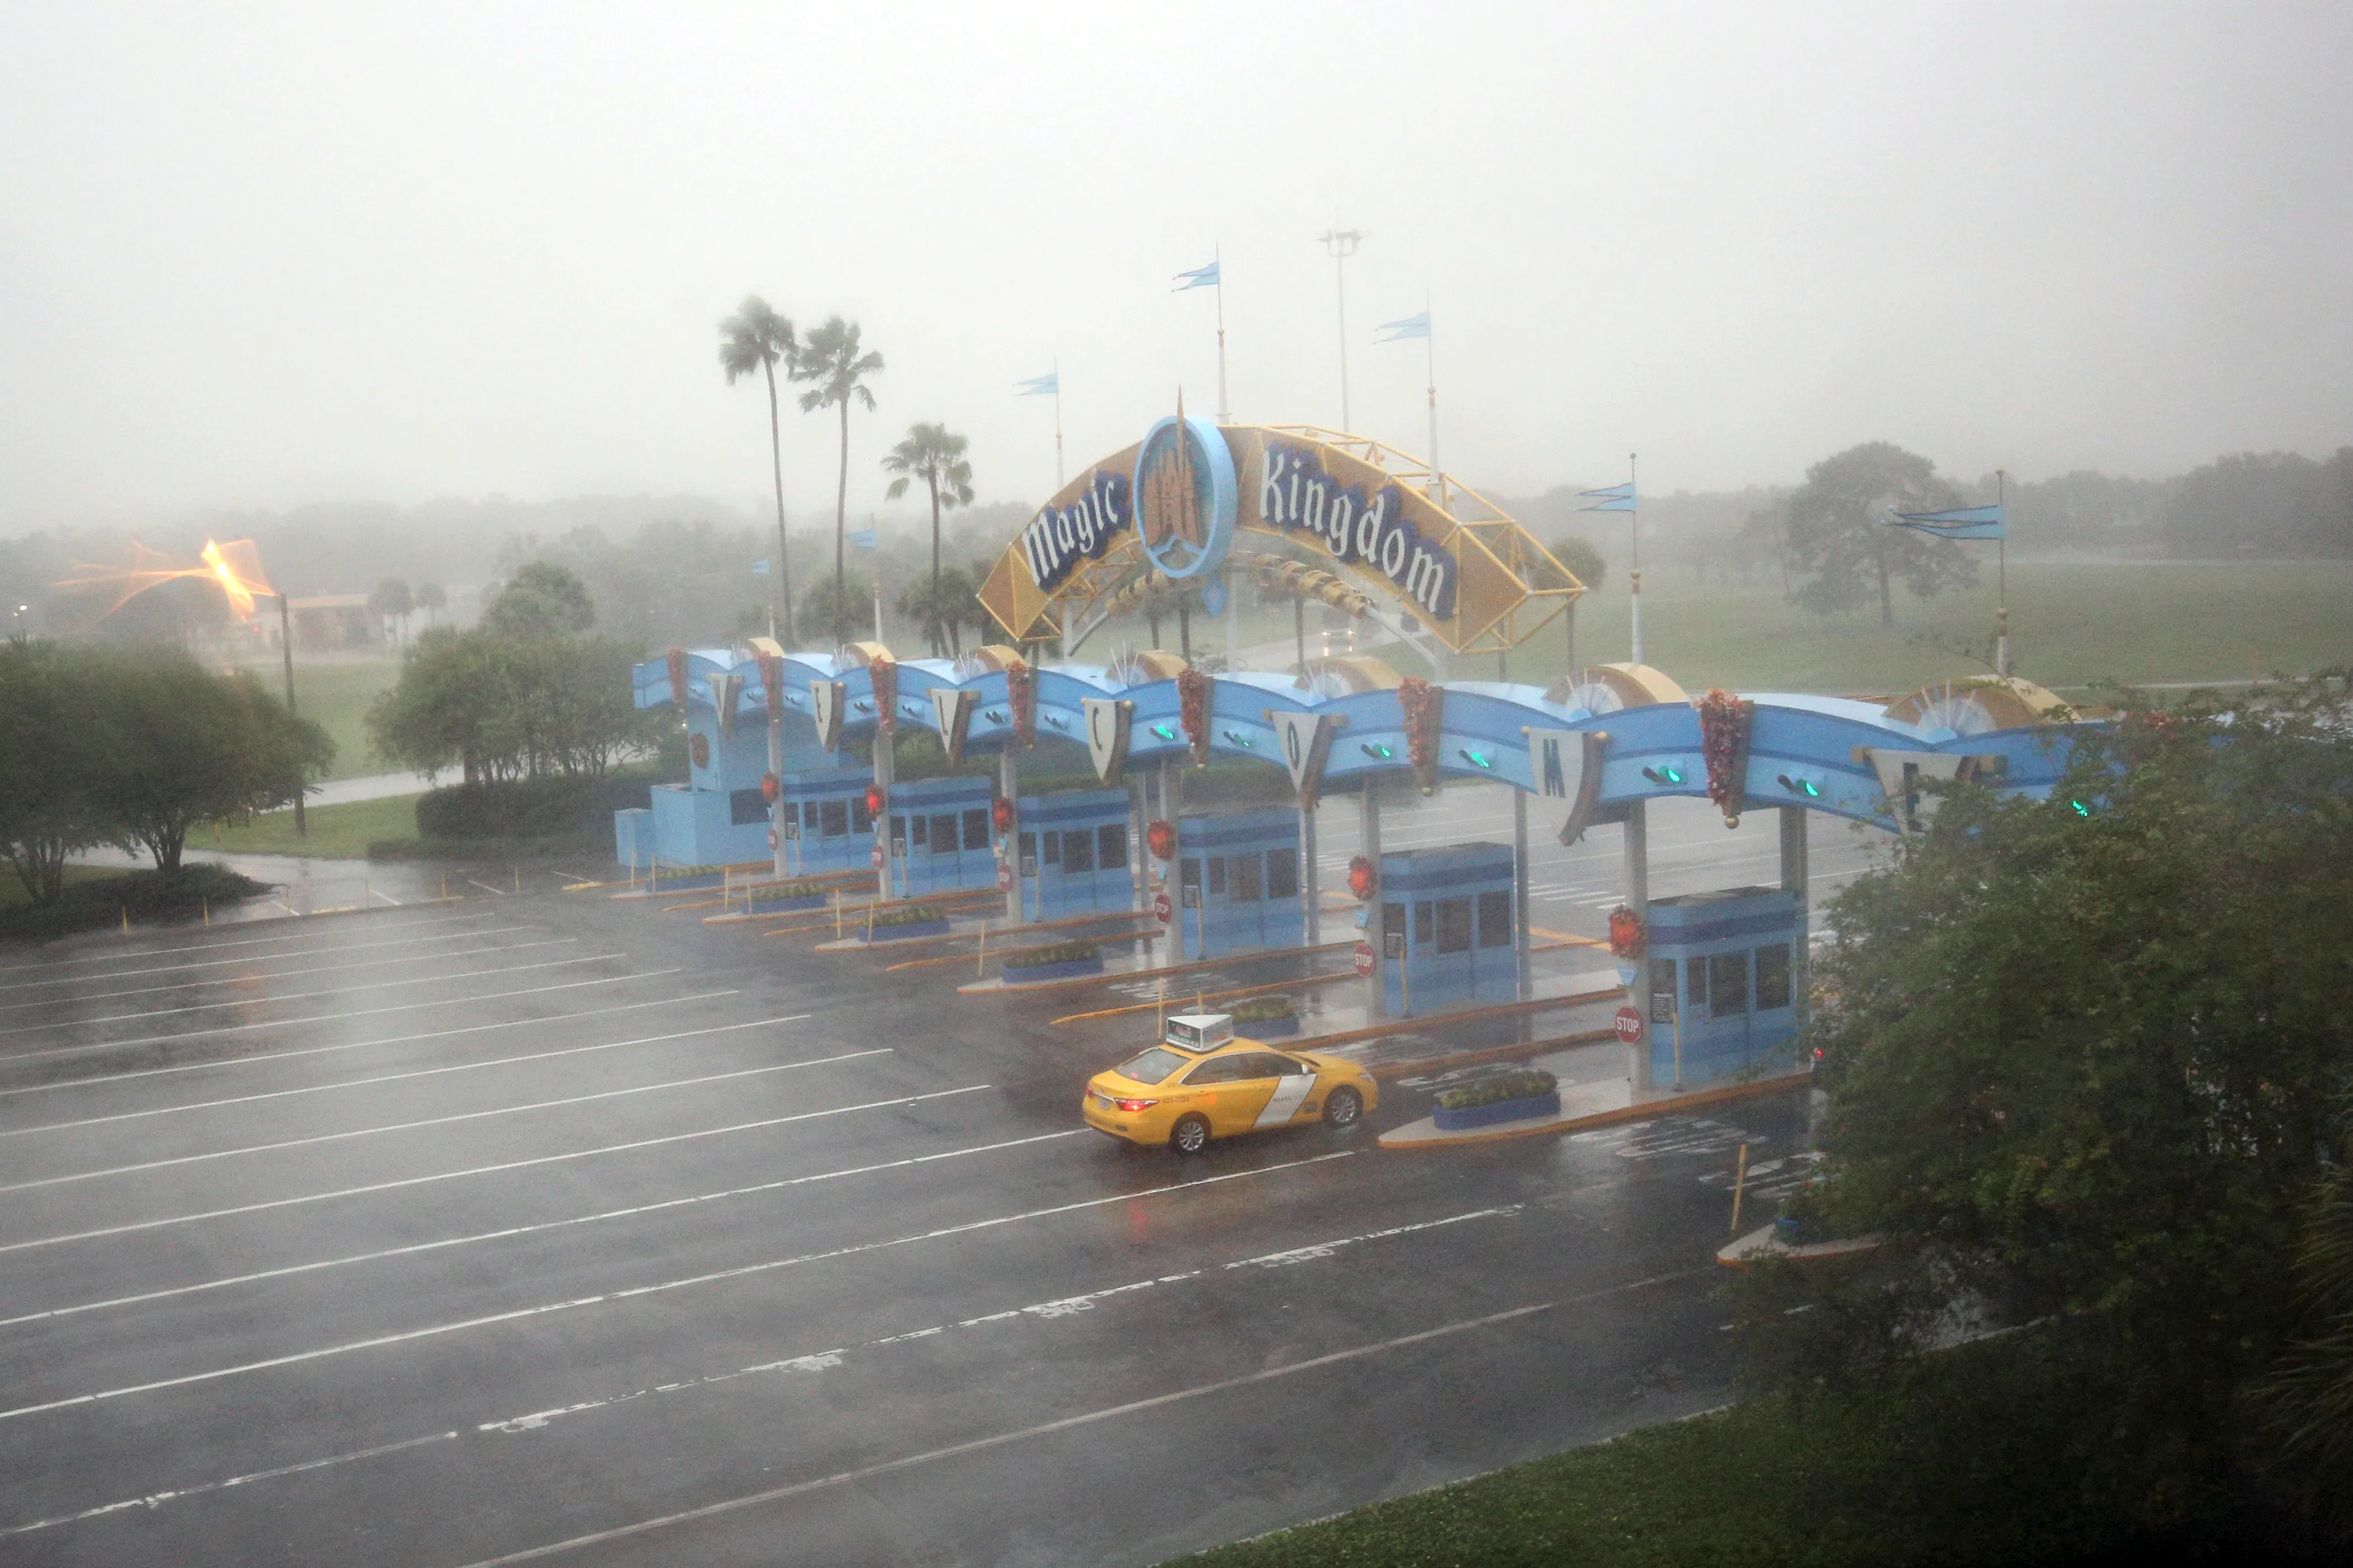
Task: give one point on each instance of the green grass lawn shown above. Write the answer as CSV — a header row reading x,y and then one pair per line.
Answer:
x,y
336,696
2070,624
336,832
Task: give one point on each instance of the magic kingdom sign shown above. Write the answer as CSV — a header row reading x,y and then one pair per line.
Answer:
x,y
1179,507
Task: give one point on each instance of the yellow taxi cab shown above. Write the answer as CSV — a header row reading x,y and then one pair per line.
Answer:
x,y
1202,1082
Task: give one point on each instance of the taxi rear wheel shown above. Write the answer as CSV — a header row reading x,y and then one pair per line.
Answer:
x,y
1343,1109
1189,1136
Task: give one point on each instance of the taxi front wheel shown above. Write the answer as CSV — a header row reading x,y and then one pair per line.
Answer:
x,y
1189,1136
1343,1109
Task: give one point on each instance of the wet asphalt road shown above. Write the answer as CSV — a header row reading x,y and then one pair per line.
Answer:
x,y
438,1235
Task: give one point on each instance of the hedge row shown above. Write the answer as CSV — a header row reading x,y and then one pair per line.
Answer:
x,y
529,808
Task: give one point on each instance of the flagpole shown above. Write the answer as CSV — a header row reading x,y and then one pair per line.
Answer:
x,y
1057,424
1429,339
2001,578
1218,261
1635,576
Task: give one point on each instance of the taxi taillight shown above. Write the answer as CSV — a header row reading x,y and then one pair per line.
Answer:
x,y
1135,1105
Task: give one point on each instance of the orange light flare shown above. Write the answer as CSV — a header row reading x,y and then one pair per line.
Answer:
x,y
235,568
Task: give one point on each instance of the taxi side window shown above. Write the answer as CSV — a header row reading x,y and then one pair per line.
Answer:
x,y
1217,1070
1263,1064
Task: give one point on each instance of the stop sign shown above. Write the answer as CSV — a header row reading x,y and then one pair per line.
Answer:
x,y
772,838
1364,960
1004,877
1629,1025
1160,907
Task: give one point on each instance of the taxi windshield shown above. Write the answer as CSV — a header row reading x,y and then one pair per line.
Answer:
x,y
1153,1066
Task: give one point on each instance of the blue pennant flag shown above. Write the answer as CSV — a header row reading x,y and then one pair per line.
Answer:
x,y
1038,386
862,537
1411,327
1613,498
760,567
1960,523
1200,278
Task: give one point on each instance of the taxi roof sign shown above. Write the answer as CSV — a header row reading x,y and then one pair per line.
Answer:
x,y
1200,1031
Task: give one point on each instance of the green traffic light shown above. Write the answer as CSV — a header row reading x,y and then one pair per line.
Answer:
x,y
1164,732
2081,809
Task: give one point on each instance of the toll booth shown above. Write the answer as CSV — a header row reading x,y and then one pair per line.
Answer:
x,y
1446,929
1075,853
720,816
1726,980
633,837
1239,877
826,827
940,837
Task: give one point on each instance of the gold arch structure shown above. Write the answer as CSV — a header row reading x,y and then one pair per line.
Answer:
x,y
1507,586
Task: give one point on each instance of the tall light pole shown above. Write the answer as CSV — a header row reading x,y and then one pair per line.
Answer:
x,y
1341,243
285,645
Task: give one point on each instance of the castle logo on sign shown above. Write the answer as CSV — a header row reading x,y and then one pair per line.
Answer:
x,y
1294,492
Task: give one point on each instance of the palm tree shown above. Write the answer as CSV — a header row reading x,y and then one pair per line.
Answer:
x,y
830,359
755,338
931,455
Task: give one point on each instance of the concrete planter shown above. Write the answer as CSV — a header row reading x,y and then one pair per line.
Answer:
x,y
912,929
1069,968
1528,1109
788,906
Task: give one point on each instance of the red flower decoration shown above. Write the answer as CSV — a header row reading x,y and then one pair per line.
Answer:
x,y
678,678
1193,711
1423,706
1628,939
1364,880
771,786
885,678
1002,809
1723,725
1021,691
874,800
772,681
1160,837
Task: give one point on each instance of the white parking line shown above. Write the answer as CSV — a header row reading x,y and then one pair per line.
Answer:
x,y
85,1049
261,958
400,1077
130,1226
318,1138
277,975
514,1230
353,1046
303,995
242,942
490,1319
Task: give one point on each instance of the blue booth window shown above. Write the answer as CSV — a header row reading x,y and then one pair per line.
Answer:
x,y
919,833
1216,873
1393,920
1773,976
1663,991
1245,883
1495,920
976,829
1696,970
860,820
1282,873
1453,925
837,819
1111,844
746,805
1053,849
944,835
1727,984
1422,925
1078,852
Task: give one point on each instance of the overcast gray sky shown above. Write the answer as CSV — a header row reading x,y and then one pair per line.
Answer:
x,y
260,256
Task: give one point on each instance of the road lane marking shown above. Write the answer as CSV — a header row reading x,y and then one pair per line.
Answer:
x,y
399,1077
258,958
94,1045
353,1046
297,996
130,1226
277,975
242,942
1047,1428
603,1298
514,1230
157,1499
1062,1307
318,1138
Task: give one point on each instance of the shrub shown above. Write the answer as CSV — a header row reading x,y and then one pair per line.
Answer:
x,y
1259,1009
146,895
913,915
1520,1083
527,808
1053,953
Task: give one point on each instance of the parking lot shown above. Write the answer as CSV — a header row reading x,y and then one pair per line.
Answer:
x,y
554,1226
